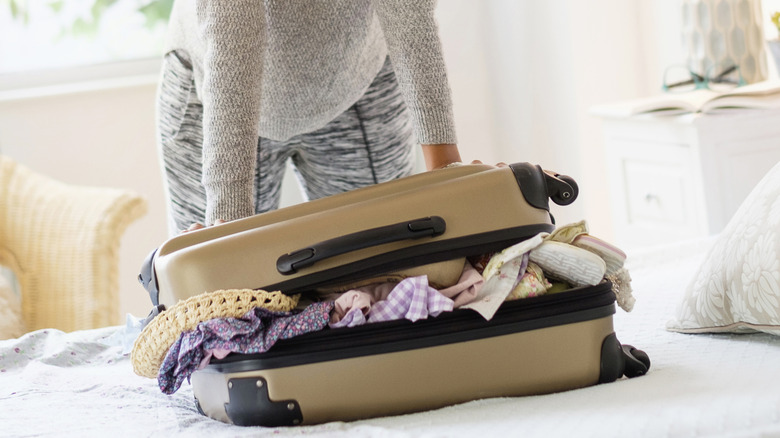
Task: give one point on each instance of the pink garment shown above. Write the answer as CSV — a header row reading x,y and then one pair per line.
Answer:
x,y
219,353
361,298
411,299
353,307
353,317
467,287
354,304
463,292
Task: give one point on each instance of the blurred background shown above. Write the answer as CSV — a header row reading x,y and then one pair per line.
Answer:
x,y
78,80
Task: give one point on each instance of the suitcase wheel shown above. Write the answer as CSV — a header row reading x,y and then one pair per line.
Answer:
x,y
539,185
562,189
637,361
621,360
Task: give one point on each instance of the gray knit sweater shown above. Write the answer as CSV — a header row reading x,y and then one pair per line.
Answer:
x,y
279,68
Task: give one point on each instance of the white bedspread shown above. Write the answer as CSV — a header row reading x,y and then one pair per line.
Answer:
x,y
80,384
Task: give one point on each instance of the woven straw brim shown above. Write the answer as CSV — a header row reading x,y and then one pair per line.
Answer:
x,y
152,345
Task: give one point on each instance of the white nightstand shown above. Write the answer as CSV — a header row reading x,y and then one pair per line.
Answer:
x,y
675,177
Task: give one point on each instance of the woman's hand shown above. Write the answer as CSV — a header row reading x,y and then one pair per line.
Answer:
x,y
500,164
198,226
438,156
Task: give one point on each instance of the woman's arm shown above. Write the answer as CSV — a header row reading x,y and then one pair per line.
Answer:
x,y
413,44
231,31
439,155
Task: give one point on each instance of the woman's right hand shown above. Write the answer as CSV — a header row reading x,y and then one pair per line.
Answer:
x,y
198,226
501,164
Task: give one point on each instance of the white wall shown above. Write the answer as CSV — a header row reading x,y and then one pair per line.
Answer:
x,y
100,135
103,137
523,73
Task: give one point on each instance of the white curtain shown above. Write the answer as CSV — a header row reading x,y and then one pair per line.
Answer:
x,y
525,73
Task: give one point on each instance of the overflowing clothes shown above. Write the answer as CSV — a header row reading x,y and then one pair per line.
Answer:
x,y
412,299
255,332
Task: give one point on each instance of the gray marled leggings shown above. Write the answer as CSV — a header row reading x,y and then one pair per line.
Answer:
x,y
370,142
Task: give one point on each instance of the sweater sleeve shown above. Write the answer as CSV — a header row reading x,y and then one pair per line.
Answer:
x,y
414,47
231,32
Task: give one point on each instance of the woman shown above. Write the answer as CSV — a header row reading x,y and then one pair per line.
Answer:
x,y
342,87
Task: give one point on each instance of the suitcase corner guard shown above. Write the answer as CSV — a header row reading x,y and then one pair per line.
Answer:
x,y
618,360
250,405
147,278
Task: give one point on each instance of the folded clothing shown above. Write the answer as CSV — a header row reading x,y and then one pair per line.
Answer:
x,y
612,255
577,236
530,284
576,266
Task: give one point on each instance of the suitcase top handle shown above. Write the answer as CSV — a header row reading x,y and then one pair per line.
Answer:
x,y
413,229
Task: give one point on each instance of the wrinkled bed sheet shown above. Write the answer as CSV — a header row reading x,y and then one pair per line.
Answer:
x,y
81,384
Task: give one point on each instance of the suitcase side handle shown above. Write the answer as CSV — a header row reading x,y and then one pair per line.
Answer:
x,y
414,229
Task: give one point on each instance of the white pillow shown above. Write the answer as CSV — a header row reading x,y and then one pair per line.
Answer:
x,y
737,288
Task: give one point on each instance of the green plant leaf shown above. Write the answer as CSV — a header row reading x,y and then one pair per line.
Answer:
x,y
83,28
156,11
19,11
14,8
99,7
56,6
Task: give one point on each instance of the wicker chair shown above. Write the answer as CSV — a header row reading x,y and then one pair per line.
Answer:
x,y
61,242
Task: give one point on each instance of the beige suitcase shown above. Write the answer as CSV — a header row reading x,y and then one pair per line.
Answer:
x,y
531,346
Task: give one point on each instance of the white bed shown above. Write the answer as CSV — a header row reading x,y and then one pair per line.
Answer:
x,y
80,384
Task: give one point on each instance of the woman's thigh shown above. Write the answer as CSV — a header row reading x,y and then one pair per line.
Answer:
x,y
371,142
271,164
180,141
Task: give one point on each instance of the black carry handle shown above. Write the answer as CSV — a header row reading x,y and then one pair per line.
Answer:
x,y
413,229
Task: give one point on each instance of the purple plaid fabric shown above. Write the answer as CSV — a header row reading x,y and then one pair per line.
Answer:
x,y
412,299
255,332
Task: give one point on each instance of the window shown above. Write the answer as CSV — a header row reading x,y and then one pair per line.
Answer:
x,y
39,37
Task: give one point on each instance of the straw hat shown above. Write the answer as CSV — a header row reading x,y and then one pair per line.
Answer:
x,y
157,337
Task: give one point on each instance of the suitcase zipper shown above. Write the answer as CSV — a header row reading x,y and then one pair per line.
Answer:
x,y
576,305
417,255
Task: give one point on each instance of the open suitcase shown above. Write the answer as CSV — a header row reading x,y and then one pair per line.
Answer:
x,y
531,346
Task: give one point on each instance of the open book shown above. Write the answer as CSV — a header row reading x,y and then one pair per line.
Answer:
x,y
761,95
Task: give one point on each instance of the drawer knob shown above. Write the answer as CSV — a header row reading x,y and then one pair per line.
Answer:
x,y
651,197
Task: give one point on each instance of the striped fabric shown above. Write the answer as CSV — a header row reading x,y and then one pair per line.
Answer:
x,y
371,142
